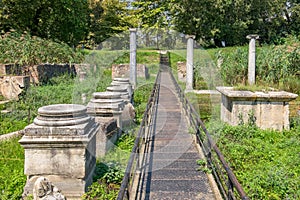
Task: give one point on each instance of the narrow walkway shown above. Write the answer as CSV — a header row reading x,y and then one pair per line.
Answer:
x,y
169,167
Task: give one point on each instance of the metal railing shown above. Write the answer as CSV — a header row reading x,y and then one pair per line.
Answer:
x,y
144,133
227,182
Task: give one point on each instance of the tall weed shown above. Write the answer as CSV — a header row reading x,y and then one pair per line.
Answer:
x,y
266,162
276,66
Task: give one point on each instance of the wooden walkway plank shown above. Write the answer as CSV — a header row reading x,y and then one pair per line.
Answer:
x,y
170,169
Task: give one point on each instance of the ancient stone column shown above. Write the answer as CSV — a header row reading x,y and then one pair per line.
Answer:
x,y
251,59
123,82
106,104
60,145
107,109
190,62
133,70
122,90
128,114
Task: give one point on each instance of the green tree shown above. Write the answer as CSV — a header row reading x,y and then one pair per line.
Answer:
x,y
109,17
231,21
154,18
63,20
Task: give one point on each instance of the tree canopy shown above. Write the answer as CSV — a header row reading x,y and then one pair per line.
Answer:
x,y
63,20
212,21
231,21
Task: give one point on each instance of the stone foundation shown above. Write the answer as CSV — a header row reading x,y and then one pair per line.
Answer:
x,y
10,69
107,108
267,110
122,71
44,72
61,145
107,135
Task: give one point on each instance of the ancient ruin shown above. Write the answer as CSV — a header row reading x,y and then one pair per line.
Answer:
x,y
60,145
268,110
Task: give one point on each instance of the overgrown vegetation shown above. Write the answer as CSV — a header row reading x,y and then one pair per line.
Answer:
x,y
25,50
12,178
143,57
64,89
110,170
266,162
276,66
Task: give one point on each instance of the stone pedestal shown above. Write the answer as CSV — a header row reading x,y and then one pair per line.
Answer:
x,y
60,145
107,109
123,70
123,82
128,114
269,110
122,90
107,104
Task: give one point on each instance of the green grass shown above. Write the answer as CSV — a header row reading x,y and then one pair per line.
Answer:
x,y
122,57
12,178
276,66
265,162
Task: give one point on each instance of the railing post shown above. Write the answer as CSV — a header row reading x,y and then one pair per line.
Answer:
x,y
230,193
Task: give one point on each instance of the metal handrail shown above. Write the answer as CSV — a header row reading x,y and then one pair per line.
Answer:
x,y
224,176
140,140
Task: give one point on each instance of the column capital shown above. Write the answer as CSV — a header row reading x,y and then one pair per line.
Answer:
x,y
132,29
252,36
190,36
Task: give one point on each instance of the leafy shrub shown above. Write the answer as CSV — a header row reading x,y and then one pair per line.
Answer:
x,y
110,170
27,50
265,161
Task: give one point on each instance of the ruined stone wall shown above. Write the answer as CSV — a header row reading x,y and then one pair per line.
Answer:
x,y
10,69
14,78
44,72
181,70
122,71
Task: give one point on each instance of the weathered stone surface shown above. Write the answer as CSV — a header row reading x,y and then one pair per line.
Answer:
x,y
107,104
12,86
107,109
190,62
44,190
122,90
43,72
123,82
123,71
10,69
251,59
181,70
61,145
128,115
133,66
270,110
106,136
